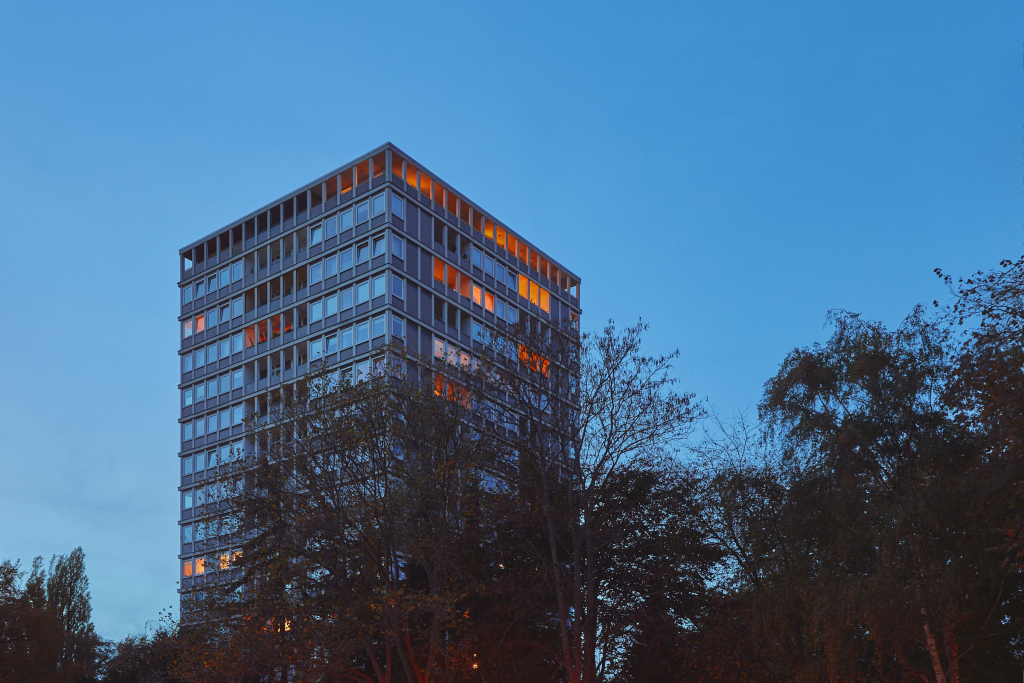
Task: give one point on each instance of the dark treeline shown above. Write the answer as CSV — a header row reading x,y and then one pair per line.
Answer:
x,y
556,510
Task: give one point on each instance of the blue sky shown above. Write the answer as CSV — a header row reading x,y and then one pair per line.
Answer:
x,y
727,171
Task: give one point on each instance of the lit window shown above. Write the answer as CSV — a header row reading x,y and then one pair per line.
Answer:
x,y
362,212
379,327
186,329
200,565
534,292
397,327
378,205
200,323
397,287
438,270
362,253
362,292
378,286
186,568
378,247
315,234
477,296
489,301
544,300
397,207
524,286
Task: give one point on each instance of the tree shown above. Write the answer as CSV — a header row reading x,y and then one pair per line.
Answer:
x,y
602,500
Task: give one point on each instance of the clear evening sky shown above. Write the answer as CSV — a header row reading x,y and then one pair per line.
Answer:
x,y
728,171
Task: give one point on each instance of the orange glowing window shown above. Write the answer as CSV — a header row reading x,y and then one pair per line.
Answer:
x,y
200,323
524,286
512,244
186,568
396,165
501,237
224,561
438,194
477,296
534,292
533,360
425,184
465,286
523,253
489,229
250,336
410,174
363,172
200,565
379,162
489,302
439,270
544,300
236,556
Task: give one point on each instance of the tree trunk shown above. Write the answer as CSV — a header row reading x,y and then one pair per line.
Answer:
x,y
933,650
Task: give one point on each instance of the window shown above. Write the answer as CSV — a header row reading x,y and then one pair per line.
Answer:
x,y
186,432
378,286
200,323
316,311
225,383
236,343
211,353
314,272
225,277
186,533
362,292
331,344
346,221
225,347
397,287
186,363
499,273
362,253
186,329
236,271
524,286
499,309
477,296
477,258
316,234
200,357
199,461
316,349
237,414
489,302
225,313
346,260
513,315
236,379
362,213
224,416
186,465
346,338
330,227
361,371
200,565
237,307
186,294
200,392
397,247
379,205
438,270
379,326
489,265
330,266
187,500
511,280
397,207
211,388
362,332
330,305
211,284
346,298
200,289
200,427
211,318
478,334
544,300
397,327
378,247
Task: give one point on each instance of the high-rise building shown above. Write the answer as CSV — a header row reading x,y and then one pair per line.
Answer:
x,y
378,250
